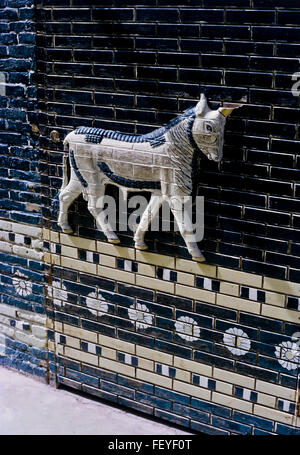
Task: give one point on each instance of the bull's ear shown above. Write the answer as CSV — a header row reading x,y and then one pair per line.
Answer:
x,y
227,109
201,107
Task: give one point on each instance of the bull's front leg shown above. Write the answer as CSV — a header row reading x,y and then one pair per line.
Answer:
x,y
186,228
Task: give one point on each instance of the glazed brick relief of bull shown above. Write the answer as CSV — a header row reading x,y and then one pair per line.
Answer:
x,y
208,346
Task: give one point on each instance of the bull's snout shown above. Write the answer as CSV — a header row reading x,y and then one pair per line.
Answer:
x,y
214,156
217,158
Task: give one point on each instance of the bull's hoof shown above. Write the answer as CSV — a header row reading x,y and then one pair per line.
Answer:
x,y
115,241
141,246
67,231
199,258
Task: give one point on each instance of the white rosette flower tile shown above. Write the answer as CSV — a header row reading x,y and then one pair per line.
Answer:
x,y
236,341
288,355
22,286
58,293
187,328
140,315
103,306
97,302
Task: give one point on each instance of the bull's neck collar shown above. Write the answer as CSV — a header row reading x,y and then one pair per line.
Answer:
x,y
190,134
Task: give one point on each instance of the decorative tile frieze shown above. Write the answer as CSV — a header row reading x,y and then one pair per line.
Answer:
x,y
126,264
166,274
90,347
253,294
165,370
286,406
203,381
293,303
88,256
207,283
246,394
127,358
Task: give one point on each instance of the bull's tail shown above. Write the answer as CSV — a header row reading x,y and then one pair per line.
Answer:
x,y
66,171
66,168
66,178
66,165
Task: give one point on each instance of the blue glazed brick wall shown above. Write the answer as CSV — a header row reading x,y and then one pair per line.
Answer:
x,y
132,67
117,318
23,337
166,349
19,153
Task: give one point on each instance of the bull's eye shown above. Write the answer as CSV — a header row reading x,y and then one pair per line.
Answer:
x,y
209,128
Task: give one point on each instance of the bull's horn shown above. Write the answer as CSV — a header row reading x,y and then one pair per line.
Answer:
x,y
202,106
226,110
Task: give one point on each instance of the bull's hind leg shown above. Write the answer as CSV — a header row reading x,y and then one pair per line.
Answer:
x,y
147,217
185,227
66,197
96,208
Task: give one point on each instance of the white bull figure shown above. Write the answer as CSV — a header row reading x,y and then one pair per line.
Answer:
x,y
161,162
